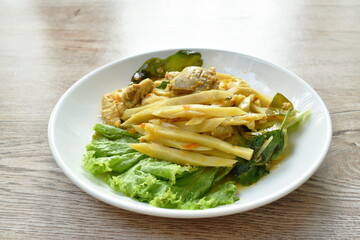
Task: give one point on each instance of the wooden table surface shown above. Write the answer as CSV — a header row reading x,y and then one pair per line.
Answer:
x,y
46,46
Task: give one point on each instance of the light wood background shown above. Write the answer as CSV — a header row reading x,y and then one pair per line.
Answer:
x,y
46,46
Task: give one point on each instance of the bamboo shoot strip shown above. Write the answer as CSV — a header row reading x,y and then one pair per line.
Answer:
x,y
205,97
213,142
180,156
188,111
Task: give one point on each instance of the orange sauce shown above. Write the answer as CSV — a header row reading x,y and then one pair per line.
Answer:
x,y
191,145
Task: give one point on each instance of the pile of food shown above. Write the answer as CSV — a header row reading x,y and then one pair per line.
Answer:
x,y
183,136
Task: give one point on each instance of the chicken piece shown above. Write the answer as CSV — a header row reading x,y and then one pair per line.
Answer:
x,y
110,112
134,93
171,75
193,79
114,104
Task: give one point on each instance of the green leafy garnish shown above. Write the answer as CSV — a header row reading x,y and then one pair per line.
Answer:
x,y
279,105
279,101
248,173
163,85
155,68
274,147
267,147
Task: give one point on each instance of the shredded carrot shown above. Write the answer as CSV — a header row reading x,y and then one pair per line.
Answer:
x,y
142,125
191,145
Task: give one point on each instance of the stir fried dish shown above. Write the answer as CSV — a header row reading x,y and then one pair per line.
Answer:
x,y
183,136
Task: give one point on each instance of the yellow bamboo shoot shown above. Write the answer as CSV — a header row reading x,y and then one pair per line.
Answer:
x,y
241,120
176,144
180,156
213,142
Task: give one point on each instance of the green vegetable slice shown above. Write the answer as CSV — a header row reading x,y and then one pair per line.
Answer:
x,y
182,59
279,105
278,102
155,68
163,85
295,121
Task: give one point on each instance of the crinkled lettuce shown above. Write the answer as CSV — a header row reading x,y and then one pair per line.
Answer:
x,y
165,170
106,148
162,184
139,184
222,194
112,132
112,164
191,191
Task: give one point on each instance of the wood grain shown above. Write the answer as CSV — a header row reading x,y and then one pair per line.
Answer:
x,y
46,46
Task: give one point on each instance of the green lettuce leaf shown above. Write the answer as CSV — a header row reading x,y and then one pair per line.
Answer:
x,y
161,183
189,190
196,184
221,194
112,132
197,196
165,170
105,148
114,164
139,184
181,187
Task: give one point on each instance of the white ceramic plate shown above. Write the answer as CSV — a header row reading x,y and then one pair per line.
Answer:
x,y
71,122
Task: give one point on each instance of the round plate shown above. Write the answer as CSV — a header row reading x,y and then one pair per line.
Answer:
x,y
71,122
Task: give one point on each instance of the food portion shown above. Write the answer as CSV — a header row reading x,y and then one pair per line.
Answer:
x,y
184,136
